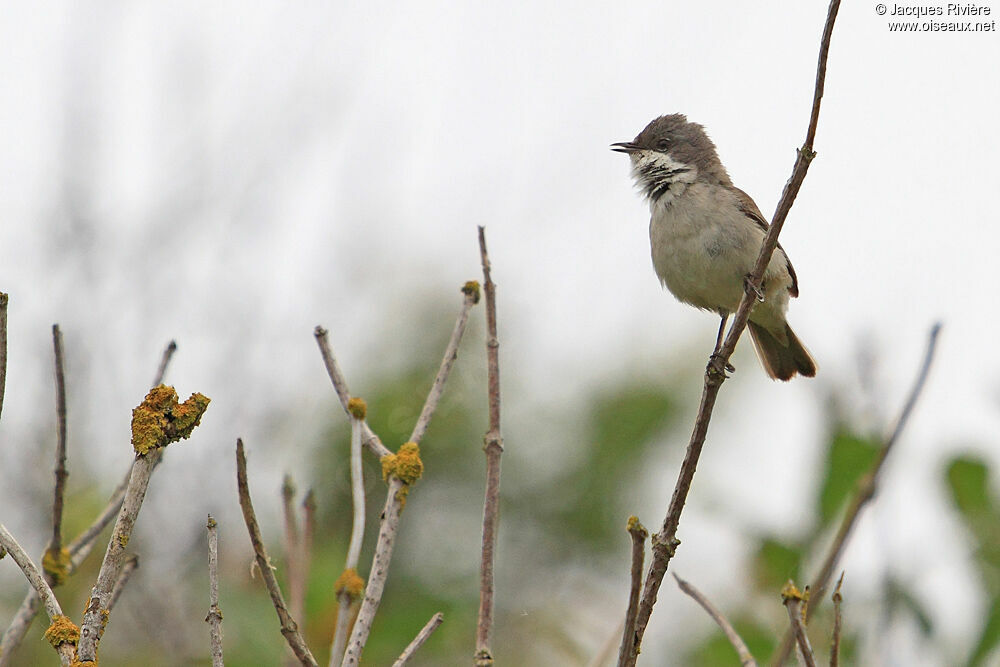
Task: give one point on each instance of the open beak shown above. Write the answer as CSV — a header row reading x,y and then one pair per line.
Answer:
x,y
625,147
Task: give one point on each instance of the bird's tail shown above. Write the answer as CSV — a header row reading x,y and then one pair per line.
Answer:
x,y
781,361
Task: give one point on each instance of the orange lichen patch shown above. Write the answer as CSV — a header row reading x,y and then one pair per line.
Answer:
x,y
404,464
160,419
56,563
357,407
349,582
472,289
62,631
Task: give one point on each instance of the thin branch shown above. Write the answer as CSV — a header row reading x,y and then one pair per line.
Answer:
x,y
837,624
866,490
293,550
79,549
308,530
450,354
4,300
288,626
214,618
793,600
168,353
369,439
493,447
128,568
639,534
664,544
346,597
38,583
746,659
55,542
419,640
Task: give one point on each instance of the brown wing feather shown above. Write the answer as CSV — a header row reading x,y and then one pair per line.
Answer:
x,y
749,208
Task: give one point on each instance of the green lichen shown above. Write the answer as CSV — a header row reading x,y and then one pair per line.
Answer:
x,y
56,563
349,583
160,419
62,631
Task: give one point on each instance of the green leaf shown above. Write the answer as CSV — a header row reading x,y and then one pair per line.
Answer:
x,y
967,480
848,458
989,637
775,563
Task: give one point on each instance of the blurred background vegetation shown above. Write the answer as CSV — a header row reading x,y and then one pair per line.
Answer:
x,y
570,479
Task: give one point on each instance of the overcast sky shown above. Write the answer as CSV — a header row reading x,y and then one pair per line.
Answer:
x,y
232,174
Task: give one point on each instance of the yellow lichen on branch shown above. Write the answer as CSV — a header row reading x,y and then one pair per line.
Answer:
x,y
472,289
62,631
405,465
160,419
357,407
350,583
56,563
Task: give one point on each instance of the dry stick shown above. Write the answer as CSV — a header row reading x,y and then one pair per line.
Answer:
x,y
639,534
793,599
345,598
396,494
78,549
38,583
368,439
308,530
288,627
746,659
55,542
4,299
493,447
293,550
419,640
127,569
837,624
214,618
664,544
867,487
95,616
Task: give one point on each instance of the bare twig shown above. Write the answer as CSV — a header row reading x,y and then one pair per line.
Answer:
x,y
450,354
128,568
4,300
157,421
346,593
837,624
37,581
746,659
168,353
866,490
793,599
214,618
368,439
493,447
55,542
308,530
288,626
419,640
639,534
293,551
400,470
664,544
79,549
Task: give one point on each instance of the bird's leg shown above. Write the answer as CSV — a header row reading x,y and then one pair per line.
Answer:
x,y
753,290
714,361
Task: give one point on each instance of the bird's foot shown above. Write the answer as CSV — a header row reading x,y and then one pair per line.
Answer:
x,y
753,290
717,367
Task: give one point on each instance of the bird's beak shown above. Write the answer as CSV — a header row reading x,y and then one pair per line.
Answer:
x,y
625,147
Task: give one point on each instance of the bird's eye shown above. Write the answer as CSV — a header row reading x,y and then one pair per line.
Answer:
x,y
663,144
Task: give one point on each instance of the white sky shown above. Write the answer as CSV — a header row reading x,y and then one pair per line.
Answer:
x,y
322,164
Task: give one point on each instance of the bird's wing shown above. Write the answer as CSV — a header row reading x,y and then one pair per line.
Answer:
x,y
749,209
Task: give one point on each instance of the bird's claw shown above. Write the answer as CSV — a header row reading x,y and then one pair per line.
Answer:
x,y
716,366
753,290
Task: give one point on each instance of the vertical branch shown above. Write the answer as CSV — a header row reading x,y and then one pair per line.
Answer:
x,y
293,550
289,629
837,624
55,542
493,447
349,585
664,543
4,300
865,493
214,618
793,599
639,534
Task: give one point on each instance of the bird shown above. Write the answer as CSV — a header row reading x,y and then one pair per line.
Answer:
x,y
705,235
